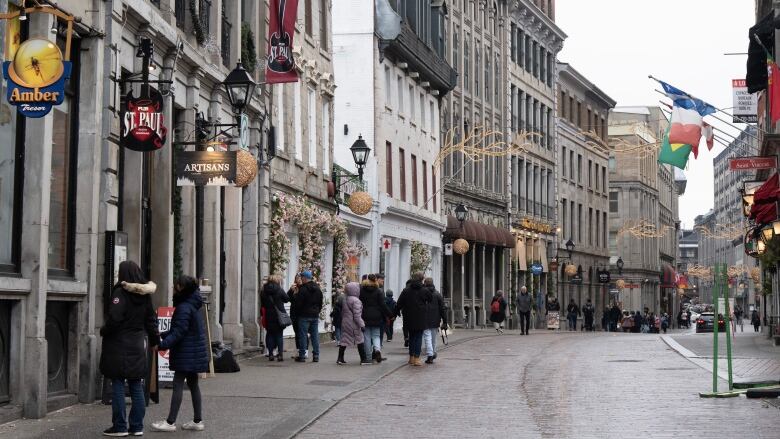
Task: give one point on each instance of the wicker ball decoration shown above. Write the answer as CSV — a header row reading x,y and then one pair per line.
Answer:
x,y
680,291
360,203
571,270
620,284
460,246
246,168
755,274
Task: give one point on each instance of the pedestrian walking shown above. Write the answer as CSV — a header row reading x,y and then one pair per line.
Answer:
x,y
374,313
390,303
498,311
435,317
272,299
572,311
352,324
308,305
292,295
638,321
129,331
335,314
411,304
755,320
605,319
739,315
188,354
614,317
665,322
524,310
588,311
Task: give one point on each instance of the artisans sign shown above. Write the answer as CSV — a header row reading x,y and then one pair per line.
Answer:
x,y
752,163
143,122
205,168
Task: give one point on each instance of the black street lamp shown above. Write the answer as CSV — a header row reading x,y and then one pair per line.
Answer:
x,y
619,264
360,152
570,247
460,213
239,86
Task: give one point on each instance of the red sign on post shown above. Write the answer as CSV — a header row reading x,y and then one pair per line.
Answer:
x,y
751,163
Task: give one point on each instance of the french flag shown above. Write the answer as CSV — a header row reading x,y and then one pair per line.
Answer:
x,y
687,115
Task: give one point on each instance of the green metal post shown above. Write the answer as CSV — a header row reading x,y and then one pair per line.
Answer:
x,y
727,321
715,298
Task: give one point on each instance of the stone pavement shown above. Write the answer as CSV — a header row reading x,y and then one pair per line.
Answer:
x,y
265,399
548,385
754,358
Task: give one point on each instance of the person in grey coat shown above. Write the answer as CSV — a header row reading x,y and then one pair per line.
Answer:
x,y
352,324
524,310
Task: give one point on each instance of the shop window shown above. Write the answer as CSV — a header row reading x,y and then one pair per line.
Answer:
x,y
64,154
58,331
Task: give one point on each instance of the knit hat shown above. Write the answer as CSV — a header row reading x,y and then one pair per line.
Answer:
x,y
307,275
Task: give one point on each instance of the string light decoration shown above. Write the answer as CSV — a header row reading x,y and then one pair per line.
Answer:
x,y
620,284
360,203
643,228
736,270
480,143
246,168
700,271
571,270
755,274
721,231
622,146
460,246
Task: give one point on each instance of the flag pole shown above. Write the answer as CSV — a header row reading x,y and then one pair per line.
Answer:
x,y
716,108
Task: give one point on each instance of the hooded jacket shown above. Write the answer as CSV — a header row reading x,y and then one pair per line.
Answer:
x,y
436,312
130,328
413,306
375,310
187,336
351,317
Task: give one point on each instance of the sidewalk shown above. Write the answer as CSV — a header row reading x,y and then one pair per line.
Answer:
x,y
264,399
754,358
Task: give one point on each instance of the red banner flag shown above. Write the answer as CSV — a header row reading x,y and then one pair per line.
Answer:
x,y
280,66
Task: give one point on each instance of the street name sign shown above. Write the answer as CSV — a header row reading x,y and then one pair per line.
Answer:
x,y
752,163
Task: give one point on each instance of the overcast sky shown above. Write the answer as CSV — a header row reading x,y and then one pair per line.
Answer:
x,y
617,43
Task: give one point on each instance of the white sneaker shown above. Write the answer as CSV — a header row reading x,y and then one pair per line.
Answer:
x,y
197,426
163,426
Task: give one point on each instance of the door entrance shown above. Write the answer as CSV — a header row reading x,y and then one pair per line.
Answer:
x,y
57,335
5,350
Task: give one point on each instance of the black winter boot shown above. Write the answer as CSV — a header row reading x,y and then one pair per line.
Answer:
x,y
363,359
342,349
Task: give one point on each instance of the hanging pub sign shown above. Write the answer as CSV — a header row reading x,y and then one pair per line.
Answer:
x,y
280,65
36,70
143,122
205,168
604,277
536,269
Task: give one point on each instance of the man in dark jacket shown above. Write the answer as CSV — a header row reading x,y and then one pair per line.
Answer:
x,y
412,305
390,303
524,310
308,304
588,312
435,317
614,317
572,312
374,313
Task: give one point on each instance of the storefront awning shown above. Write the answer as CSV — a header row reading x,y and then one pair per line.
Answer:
x,y
480,233
668,276
520,255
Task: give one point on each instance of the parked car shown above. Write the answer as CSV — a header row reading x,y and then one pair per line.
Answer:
x,y
705,322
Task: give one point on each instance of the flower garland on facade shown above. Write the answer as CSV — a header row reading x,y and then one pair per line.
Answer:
x,y
421,257
312,224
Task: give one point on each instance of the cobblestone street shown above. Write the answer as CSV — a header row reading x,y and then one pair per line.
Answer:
x,y
547,385
551,386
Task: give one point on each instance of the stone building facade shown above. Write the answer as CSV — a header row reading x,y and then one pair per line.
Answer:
x,y
583,187
706,252
53,277
392,98
634,192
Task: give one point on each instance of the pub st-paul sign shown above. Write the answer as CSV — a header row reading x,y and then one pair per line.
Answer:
x,y
143,122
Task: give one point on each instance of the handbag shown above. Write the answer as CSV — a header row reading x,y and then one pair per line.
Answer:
x,y
283,317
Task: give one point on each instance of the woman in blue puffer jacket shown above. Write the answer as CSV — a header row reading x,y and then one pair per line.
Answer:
x,y
188,352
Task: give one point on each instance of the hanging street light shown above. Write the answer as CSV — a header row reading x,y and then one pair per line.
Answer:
x,y
460,213
360,152
570,247
620,264
240,87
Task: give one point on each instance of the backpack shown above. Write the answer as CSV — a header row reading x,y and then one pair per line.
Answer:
x,y
495,306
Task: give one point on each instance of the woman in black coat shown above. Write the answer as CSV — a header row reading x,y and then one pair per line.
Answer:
x,y
130,329
375,312
498,311
272,299
188,354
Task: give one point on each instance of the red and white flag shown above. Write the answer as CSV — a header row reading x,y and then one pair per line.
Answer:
x,y
708,134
